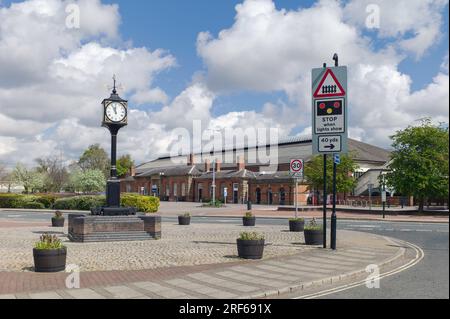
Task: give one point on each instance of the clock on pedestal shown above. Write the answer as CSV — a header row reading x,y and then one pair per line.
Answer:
x,y
115,116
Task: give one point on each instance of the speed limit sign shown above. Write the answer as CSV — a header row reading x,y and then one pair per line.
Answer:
x,y
296,167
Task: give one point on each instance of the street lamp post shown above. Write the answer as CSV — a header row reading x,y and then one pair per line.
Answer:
x,y
214,182
383,196
214,172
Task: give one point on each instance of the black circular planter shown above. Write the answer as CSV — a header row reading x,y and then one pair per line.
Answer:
x,y
49,260
250,249
57,222
183,220
249,221
314,237
296,225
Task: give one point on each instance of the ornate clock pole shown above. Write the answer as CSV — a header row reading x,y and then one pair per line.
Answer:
x,y
115,116
113,223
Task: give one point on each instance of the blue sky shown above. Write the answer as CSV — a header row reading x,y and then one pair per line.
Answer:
x,y
174,25
256,75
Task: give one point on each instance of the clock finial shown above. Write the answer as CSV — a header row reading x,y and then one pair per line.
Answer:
x,y
114,87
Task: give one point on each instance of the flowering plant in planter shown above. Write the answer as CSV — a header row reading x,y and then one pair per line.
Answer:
x,y
49,254
296,224
312,225
313,233
47,241
251,236
184,219
249,219
58,219
250,245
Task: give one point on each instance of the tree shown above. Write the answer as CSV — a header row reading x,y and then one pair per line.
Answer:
x,y
87,181
419,162
345,182
5,176
31,180
3,172
56,174
124,164
95,158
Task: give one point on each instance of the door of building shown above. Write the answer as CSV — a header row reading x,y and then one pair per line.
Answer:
x,y
270,197
200,192
282,196
258,196
235,193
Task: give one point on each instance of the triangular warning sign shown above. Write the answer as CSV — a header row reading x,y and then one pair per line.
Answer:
x,y
329,86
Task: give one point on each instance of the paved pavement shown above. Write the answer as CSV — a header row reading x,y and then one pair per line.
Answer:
x,y
428,279
249,279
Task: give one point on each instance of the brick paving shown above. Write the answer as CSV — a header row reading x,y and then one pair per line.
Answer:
x,y
179,246
234,279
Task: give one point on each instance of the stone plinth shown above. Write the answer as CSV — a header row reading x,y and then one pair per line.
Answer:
x,y
88,228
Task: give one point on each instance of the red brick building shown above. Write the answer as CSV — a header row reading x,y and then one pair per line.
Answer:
x,y
239,175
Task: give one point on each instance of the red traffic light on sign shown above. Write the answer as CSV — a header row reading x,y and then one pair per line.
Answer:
x,y
329,107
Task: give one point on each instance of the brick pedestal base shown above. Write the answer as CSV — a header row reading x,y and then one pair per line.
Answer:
x,y
87,228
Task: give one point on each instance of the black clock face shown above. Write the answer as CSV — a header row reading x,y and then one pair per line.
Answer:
x,y
116,112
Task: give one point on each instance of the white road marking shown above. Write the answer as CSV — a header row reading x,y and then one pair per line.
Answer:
x,y
420,254
364,226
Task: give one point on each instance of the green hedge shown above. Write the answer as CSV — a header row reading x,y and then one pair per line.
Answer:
x,y
24,201
48,200
144,204
79,202
8,200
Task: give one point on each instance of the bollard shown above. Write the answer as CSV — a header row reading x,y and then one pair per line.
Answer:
x,y
249,205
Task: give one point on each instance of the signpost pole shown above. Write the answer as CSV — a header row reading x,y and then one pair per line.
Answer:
x,y
296,198
325,201
333,214
330,126
384,198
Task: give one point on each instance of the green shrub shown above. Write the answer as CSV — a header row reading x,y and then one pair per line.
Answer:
x,y
8,200
79,202
251,236
58,215
186,215
216,204
299,219
26,201
312,225
32,205
47,241
47,199
248,215
144,204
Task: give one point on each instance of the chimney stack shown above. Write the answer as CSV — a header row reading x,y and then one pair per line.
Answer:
x,y
191,160
132,171
218,165
207,165
241,163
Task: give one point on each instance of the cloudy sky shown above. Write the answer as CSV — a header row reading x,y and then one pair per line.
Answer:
x,y
227,63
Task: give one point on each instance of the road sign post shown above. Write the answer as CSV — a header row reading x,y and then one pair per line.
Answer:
x,y
329,127
325,195
296,171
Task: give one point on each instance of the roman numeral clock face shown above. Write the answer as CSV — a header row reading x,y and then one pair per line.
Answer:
x,y
116,112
